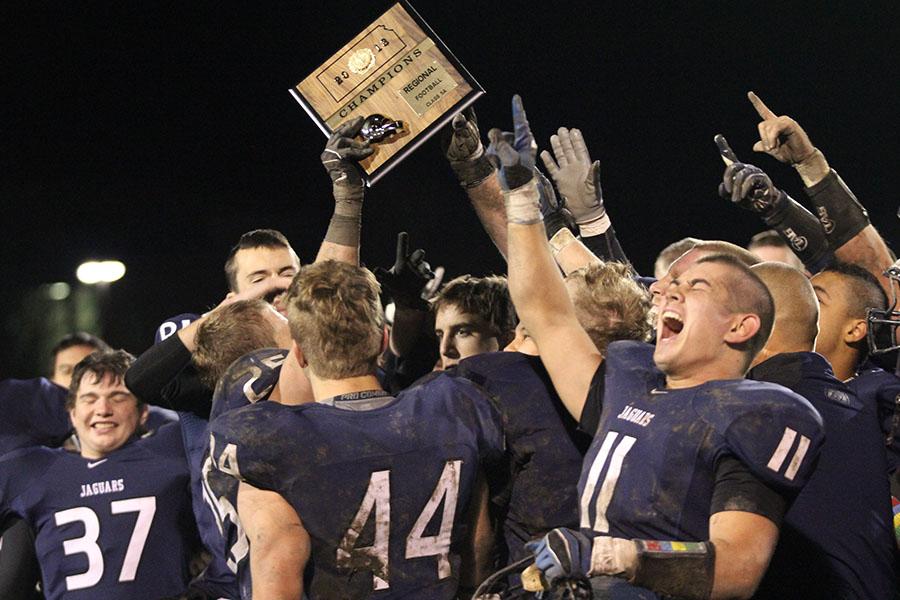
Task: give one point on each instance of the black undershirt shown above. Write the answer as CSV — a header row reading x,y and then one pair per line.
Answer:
x,y
165,376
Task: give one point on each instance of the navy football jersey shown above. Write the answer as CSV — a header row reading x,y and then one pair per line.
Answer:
x,y
543,442
650,471
381,484
836,539
248,380
119,527
881,389
34,414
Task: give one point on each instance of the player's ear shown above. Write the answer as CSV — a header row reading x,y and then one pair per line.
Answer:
x,y
297,353
144,412
855,330
385,339
743,327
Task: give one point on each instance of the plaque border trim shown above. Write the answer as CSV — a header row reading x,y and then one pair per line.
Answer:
x,y
477,91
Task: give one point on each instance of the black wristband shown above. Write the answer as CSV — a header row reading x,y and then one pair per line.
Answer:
x,y
840,213
801,230
681,569
606,246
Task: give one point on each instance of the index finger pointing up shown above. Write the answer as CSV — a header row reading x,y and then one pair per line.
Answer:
x,y
760,106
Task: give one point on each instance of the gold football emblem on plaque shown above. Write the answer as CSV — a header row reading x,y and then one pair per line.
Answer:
x,y
361,61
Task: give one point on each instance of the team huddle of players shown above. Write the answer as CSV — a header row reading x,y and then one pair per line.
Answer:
x,y
720,430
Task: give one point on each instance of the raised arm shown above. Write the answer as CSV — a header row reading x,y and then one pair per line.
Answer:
x,y
339,158
462,146
279,544
845,221
535,284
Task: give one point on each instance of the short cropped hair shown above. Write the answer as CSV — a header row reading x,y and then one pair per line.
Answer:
x,y
484,297
747,294
716,247
863,290
100,363
769,237
672,252
229,333
335,316
258,238
79,338
610,304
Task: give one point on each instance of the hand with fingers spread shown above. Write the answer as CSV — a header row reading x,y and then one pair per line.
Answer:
x,y
407,278
342,152
513,154
576,177
461,142
781,136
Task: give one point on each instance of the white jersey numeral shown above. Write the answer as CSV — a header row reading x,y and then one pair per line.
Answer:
x,y
87,544
222,508
608,488
378,500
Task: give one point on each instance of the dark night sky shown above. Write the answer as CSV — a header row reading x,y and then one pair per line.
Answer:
x,y
158,134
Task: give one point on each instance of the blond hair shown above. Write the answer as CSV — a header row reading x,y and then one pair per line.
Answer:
x,y
229,333
336,319
610,304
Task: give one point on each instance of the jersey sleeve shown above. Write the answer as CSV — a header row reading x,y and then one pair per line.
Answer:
x,y
248,380
774,432
244,444
19,471
34,414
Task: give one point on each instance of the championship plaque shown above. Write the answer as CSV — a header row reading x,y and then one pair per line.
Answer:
x,y
399,75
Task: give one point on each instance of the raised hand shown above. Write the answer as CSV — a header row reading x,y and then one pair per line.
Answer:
x,y
780,136
513,153
575,176
461,142
749,187
405,280
342,152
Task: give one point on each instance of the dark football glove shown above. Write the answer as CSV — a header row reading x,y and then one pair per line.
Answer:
x,y
513,154
409,275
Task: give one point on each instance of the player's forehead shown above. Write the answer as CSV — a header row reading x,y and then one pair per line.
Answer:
x,y
452,315
830,288
714,274
270,259
73,354
106,385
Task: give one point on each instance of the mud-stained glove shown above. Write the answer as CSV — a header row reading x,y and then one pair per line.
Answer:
x,y
342,152
513,154
405,280
562,554
461,143
750,188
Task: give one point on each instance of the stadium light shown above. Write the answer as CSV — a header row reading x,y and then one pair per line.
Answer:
x,y
93,272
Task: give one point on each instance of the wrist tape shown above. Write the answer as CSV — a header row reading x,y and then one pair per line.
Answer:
x,y
523,204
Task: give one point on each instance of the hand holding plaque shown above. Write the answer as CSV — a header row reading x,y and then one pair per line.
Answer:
x,y
399,77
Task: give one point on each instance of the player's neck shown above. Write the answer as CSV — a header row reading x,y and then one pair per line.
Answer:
x,y
293,387
721,370
844,364
329,388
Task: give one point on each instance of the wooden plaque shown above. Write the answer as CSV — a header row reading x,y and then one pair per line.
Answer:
x,y
397,67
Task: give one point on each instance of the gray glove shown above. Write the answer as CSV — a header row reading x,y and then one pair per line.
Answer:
x,y
575,176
